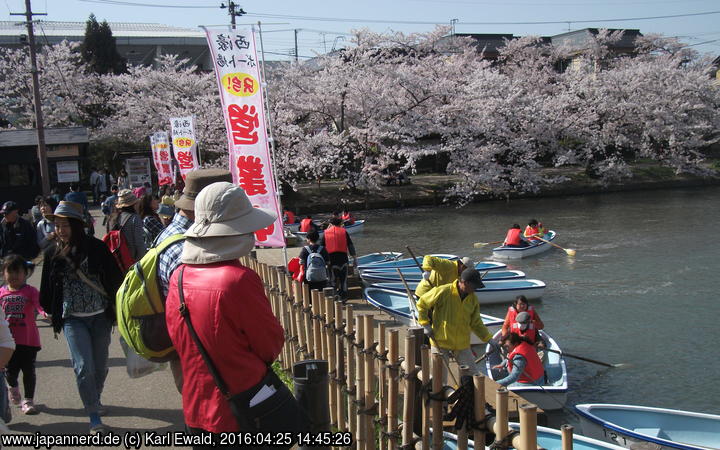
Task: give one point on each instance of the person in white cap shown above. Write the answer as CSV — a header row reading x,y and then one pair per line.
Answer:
x,y
227,304
440,271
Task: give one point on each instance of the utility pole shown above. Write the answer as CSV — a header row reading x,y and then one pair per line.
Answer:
x,y
232,12
452,25
41,150
296,47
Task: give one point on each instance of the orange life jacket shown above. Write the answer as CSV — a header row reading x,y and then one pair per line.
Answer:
x,y
533,366
512,314
306,225
289,217
512,237
529,231
348,219
336,239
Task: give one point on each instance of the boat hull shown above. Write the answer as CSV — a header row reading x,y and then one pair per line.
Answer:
x,y
377,257
627,425
524,252
550,396
370,278
398,306
494,292
481,266
406,262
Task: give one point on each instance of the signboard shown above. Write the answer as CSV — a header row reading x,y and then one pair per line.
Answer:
x,y
138,170
161,157
238,78
184,144
67,172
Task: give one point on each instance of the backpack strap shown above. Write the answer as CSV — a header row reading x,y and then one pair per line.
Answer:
x,y
319,250
168,241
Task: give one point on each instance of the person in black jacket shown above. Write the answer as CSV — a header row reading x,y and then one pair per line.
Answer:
x,y
17,235
78,286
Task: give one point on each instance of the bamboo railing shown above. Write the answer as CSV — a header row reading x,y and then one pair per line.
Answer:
x,y
369,380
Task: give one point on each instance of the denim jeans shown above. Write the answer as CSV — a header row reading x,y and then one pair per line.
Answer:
x,y
88,339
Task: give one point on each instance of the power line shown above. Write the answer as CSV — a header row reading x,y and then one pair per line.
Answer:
x,y
148,5
413,22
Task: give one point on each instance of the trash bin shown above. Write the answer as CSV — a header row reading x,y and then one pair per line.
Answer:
x,y
311,391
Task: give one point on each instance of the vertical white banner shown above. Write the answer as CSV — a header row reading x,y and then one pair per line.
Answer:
x,y
161,157
184,144
238,78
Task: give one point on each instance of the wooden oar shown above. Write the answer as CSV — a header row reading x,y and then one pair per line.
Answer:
x,y
483,244
410,296
412,255
569,251
582,358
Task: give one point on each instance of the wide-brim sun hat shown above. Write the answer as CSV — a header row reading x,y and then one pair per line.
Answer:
x,y
126,197
196,181
223,209
68,210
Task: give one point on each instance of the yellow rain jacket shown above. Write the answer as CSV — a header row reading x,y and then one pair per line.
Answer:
x,y
452,318
442,271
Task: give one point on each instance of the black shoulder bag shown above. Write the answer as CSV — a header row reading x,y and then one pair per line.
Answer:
x,y
278,413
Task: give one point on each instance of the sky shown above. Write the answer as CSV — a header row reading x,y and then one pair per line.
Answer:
x,y
323,25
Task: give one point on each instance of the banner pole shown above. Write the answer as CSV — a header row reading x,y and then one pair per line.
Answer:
x,y
271,139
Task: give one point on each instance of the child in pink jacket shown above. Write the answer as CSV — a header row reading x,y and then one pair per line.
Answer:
x,y
20,302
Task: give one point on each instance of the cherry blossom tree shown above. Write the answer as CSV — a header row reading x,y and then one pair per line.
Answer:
x,y
68,92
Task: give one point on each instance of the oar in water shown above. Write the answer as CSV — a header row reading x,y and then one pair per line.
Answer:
x,y
483,244
582,358
569,251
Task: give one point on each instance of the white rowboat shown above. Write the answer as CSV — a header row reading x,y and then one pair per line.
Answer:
x,y
550,396
503,252
626,425
494,292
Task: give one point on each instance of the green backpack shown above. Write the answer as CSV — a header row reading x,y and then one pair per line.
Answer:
x,y
141,308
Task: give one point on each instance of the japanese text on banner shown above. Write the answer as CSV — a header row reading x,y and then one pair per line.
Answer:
x,y
184,144
239,82
161,157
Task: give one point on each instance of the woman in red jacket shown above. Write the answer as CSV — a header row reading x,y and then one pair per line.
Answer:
x,y
227,304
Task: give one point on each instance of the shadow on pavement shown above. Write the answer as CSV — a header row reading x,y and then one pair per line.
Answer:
x,y
112,362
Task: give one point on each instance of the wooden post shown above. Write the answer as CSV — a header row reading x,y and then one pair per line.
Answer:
x,y
316,328
425,379
328,295
282,316
360,382
408,400
322,321
382,381
567,437
299,317
462,434
307,318
501,414
282,295
528,426
352,387
369,325
339,366
393,389
479,384
437,410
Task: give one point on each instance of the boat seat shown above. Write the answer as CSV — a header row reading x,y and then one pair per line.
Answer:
x,y
654,432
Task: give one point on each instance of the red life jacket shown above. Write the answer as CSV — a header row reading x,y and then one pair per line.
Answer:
x,y
336,239
348,219
289,217
533,366
513,237
529,231
306,225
